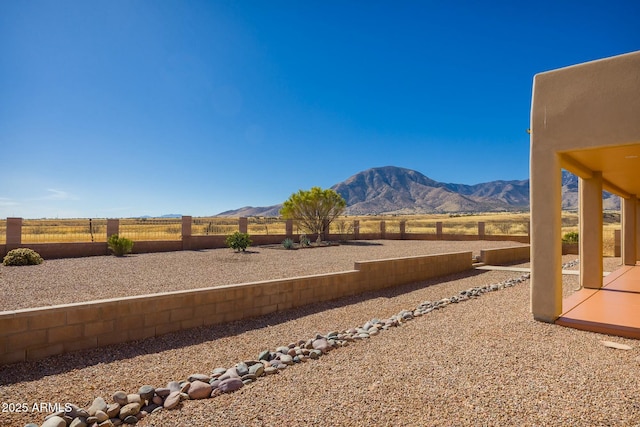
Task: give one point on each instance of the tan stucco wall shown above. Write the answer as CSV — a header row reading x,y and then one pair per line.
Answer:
x,y
589,105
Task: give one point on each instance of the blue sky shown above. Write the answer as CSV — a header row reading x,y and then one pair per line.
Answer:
x,y
127,108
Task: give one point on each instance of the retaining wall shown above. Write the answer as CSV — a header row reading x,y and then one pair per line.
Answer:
x,y
502,256
37,333
573,249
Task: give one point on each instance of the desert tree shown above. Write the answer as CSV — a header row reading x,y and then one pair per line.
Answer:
x,y
314,209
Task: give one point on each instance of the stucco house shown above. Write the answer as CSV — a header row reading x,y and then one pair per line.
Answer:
x,y
586,119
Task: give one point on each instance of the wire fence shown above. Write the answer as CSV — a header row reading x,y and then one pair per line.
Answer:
x,y
213,226
460,227
145,229
369,226
421,226
141,229
266,225
344,228
392,226
506,228
63,231
608,241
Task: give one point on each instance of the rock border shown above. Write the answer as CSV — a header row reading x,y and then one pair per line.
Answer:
x,y
129,408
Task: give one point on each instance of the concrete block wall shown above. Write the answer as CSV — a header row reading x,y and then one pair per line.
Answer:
x,y
502,256
570,249
34,334
67,250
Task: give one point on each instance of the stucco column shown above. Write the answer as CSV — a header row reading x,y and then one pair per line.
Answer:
x,y
629,208
546,241
590,243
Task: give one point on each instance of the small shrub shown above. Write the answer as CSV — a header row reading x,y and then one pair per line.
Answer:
x,y
120,246
571,237
238,241
504,227
22,256
304,240
287,243
345,230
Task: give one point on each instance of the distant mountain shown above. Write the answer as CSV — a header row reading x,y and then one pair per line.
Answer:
x,y
403,191
394,190
253,211
570,194
161,216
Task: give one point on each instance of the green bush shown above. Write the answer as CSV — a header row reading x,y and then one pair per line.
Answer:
x,y
571,237
287,243
22,256
238,241
120,246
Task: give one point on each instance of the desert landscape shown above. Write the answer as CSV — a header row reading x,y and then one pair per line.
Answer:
x,y
479,361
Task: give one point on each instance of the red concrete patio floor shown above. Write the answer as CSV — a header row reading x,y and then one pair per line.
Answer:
x,y
614,309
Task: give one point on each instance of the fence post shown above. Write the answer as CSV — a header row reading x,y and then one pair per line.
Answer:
x,y
616,244
113,227
383,229
186,232
289,228
481,230
14,233
439,230
403,228
356,229
243,224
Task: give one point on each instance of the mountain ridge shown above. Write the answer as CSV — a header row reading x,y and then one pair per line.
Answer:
x,y
396,190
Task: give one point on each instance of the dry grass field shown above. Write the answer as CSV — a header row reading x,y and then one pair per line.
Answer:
x,y
143,229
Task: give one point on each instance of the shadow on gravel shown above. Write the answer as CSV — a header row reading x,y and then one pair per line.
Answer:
x,y
360,243
29,371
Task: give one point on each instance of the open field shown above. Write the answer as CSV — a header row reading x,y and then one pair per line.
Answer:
x,y
481,362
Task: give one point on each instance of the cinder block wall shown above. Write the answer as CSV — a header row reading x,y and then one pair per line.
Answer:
x,y
34,334
573,249
502,256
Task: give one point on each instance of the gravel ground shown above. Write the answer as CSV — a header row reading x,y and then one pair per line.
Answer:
x,y
481,362
62,281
